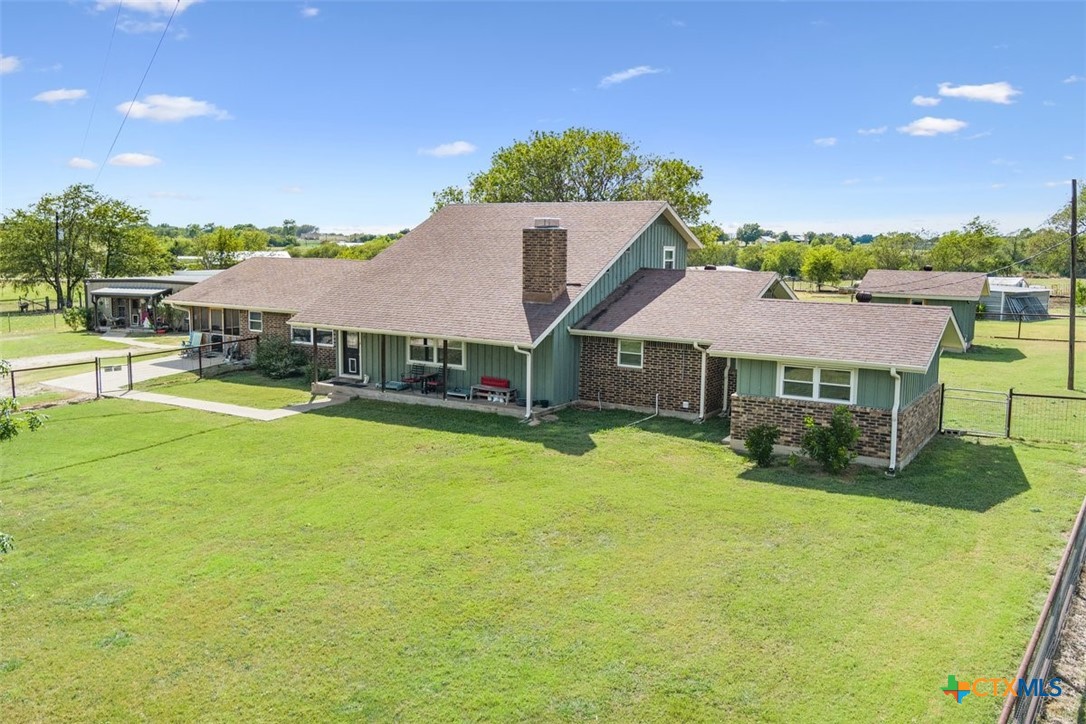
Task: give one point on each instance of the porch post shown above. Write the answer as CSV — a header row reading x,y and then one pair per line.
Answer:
x,y
315,373
383,376
444,369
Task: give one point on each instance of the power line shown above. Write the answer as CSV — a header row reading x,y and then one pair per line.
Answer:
x,y
969,275
136,95
102,77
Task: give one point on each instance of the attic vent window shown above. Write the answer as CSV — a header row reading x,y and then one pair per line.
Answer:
x,y
546,223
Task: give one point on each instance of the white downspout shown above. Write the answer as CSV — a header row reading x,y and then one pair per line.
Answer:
x,y
893,419
701,399
528,383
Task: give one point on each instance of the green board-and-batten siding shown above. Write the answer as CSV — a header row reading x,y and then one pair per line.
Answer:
x,y
874,388
646,252
964,311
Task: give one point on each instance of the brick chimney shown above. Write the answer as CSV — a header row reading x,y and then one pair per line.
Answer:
x,y
544,261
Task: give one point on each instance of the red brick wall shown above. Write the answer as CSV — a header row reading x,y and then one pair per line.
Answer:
x,y
543,264
275,326
672,370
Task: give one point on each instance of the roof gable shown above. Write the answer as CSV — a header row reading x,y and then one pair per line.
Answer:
x,y
924,284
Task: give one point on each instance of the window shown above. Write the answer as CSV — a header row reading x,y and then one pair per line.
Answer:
x,y
304,335
232,322
816,383
429,351
216,320
256,321
917,302
631,353
669,257
201,319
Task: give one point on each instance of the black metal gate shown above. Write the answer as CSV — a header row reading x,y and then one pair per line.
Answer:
x,y
1022,415
975,412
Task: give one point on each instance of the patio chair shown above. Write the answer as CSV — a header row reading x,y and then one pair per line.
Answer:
x,y
415,375
434,384
191,346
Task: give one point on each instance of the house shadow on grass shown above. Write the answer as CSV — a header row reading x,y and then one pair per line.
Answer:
x,y
571,434
980,353
951,472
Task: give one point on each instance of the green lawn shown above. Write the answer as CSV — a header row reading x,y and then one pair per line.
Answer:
x,y
250,389
381,561
61,341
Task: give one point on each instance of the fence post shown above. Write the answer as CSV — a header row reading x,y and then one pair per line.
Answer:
x,y
13,395
97,378
1019,326
1010,406
942,403
129,371
200,360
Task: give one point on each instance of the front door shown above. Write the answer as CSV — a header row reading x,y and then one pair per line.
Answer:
x,y
350,354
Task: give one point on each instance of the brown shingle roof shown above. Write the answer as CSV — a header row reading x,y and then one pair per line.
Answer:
x,y
458,274
924,284
285,285
723,310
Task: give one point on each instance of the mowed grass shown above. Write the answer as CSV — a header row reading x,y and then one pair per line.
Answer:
x,y
247,388
381,561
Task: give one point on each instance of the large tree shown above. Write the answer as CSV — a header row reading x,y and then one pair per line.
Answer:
x,y
582,165
896,250
785,258
975,247
822,265
62,239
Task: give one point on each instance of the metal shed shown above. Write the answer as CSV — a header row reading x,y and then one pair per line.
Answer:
x,y
1013,298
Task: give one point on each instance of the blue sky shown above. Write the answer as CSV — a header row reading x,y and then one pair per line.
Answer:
x,y
845,116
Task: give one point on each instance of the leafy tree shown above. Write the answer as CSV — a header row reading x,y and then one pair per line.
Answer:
x,y
62,239
253,239
218,248
976,247
582,165
716,254
751,257
1080,294
749,233
785,258
368,250
12,421
709,233
784,236
822,265
896,250
857,262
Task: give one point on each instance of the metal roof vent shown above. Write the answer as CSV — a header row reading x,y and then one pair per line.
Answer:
x,y
863,296
546,223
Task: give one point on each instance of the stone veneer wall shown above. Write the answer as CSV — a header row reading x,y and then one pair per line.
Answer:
x,y
672,370
917,423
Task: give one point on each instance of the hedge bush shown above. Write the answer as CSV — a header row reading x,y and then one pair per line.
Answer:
x,y
831,445
277,358
760,441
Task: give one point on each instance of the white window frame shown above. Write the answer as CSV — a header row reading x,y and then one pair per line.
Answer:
x,y
311,331
435,344
640,352
817,383
256,325
669,257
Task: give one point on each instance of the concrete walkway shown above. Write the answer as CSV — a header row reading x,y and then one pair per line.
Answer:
x,y
251,413
116,380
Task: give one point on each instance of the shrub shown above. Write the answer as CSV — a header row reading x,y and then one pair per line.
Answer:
x,y
760,441
831,446
277,358
7,543
79,319
323,373
981,311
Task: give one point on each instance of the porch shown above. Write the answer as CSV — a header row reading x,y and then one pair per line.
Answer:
x,y
127,308
346,388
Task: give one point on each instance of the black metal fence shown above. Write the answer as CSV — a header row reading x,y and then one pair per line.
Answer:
x,y
115,373
1026,698
1026,416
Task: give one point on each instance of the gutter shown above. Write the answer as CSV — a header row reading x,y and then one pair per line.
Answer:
x,y
894,421
528,383
727,376
701,400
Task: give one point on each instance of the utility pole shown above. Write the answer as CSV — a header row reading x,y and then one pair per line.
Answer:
x,y
1074,286
56,257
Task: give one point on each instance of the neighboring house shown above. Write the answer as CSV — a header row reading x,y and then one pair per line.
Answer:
x,y
1014,298
258,296
961,291
135,301
673,339
592,302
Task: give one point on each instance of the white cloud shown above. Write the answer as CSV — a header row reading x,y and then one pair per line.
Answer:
x,y
1056,184
308,12
630,73
1001,92
167,108
1074,79
999,186
133,27
926,101
77,162
134,159
291,189
825,142
172,195
61,94
1069,158
928,126
9,64
872,131
456,148
975,136
151,7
